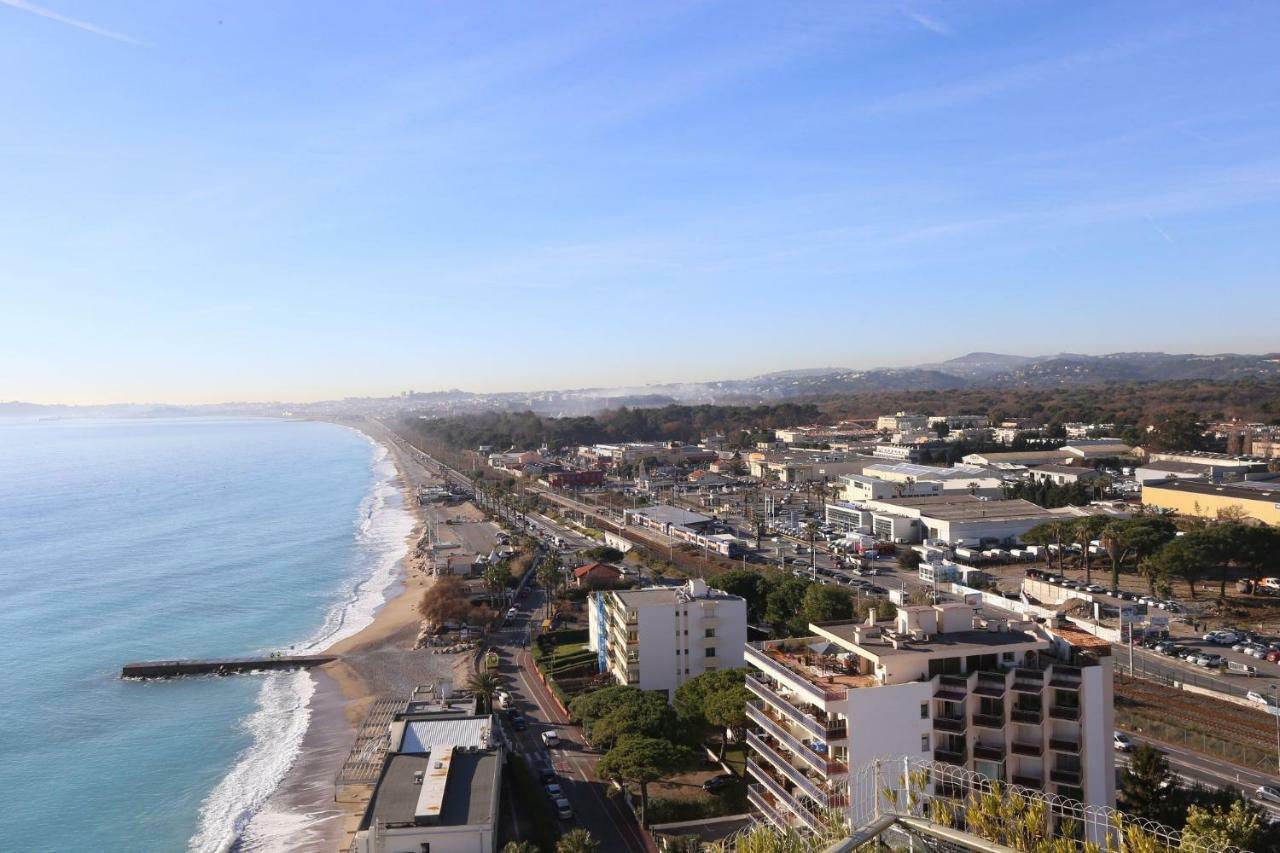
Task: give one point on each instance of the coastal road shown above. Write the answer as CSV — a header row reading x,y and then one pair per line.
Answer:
x,y
607,818
1193,768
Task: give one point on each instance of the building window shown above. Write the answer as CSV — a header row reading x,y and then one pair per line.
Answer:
x,y
711,651
924,710
924,743
709,633
1007,656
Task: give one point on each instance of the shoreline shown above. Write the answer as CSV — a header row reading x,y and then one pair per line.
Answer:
x,y
304,812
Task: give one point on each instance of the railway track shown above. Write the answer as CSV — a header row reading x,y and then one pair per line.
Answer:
x,y
1245,725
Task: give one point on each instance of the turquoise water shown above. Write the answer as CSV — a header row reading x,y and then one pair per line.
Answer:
x,y
126,540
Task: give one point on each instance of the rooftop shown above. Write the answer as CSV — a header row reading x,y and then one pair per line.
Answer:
x,y
421,735
1248,490
1067,469
966,507
952,642
664,514
925,472
468,794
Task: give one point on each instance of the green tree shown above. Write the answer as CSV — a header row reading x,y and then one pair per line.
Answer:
x,y
783,605
519,847
486,686
574,841
753,587
690,698
727,711
910,559
1218,828
1148,787
640,761
612,713
1176,430
825,604
1086,529
548,576
1186,558
495,579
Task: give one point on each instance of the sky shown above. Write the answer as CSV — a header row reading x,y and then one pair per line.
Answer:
x,y
214,201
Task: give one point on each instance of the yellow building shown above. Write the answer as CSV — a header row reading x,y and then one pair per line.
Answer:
x,y
1259,499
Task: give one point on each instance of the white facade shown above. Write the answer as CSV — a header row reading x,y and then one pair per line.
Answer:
x,y
1016,702
659,638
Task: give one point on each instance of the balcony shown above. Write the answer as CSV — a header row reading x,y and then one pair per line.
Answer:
x,y
796,776
952,688
988,752
757,797
1059,745
990,684
988,721
819,678
1033,782
805,753
1065,677
820,728
1028,680
954,725
1065,777
773,787
1033,716
949,756
1033,750
1064,712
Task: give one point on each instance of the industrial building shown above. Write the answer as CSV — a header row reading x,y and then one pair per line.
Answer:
x,y
1257,499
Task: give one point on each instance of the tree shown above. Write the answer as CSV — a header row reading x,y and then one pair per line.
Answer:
x,y
574,841
519,847
612,713
753,587
641,760
1186,558
825,604
1218,828
1084,530
1046,533
445,601
1176,430
782,607
1148,787
485,685
549,577
495,579
727,711
910,559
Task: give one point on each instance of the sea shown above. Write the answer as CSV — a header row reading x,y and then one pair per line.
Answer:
x,y
140,539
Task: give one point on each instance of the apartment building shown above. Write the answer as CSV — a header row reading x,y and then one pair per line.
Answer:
x,y
1013,701
658,638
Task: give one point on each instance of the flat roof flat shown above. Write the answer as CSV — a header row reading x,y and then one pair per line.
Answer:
x,y
671,515
968,508
1248,490
468,793
959,642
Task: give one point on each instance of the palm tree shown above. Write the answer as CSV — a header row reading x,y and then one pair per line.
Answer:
x,y
495,579
577,841
549,577
485,685
519,847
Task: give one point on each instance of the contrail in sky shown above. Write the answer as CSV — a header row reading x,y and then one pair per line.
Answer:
x,y
24,6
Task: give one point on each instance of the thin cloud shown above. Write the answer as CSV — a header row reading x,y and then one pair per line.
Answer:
x,y
931,24
24,6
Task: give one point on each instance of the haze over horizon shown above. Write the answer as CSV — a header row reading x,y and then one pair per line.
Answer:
x,y
308,201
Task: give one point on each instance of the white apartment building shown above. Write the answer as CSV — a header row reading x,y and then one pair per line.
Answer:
x,y
658,638
902,421
1013,701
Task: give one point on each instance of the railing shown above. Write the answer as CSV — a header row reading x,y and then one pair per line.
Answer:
x,y
990,684
1064,745
1028,680
988,752
1029,749
756,797
949,756
804,752
807,721
762,660
954,725
1065,777
1064,712
1028,781
989,721
795,775
1026,715
774,787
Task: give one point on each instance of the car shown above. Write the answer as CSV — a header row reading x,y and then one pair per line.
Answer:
x,y
550,739
564,811
715,783
1272,656
513,612
519,723
1122,742
546,776
1255,696
1209,660
504,699
1095,589
554,791
1240,647
1258,652
1268,793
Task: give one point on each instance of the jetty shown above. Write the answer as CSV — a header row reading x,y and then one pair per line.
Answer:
x,y
220,666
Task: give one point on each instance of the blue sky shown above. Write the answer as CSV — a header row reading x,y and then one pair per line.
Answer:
x,y
301,200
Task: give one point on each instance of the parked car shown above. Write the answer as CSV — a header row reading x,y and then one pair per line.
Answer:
x,y
1095,589
553,791
715,783
512,612
1268,793
564,811
1255,696
1209,660
1122,742
546,776
519,723
550,739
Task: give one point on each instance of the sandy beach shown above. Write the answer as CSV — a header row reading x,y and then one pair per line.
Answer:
x,y
377,662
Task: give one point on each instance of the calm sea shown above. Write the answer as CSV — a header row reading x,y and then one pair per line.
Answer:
x,y
125,540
